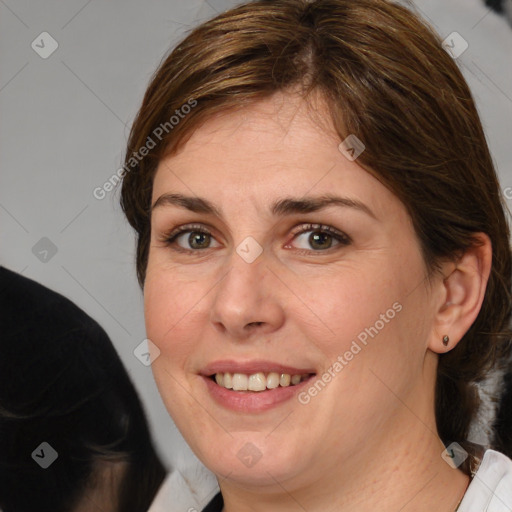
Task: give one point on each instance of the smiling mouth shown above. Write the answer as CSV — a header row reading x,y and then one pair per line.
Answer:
x,y
258,382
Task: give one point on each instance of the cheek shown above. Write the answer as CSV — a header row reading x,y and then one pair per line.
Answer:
x,y
170,311
372,315
352,299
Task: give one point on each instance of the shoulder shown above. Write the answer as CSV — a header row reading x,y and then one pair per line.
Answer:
x,y
491,487
187,489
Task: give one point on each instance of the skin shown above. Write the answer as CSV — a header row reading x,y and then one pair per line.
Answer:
x,y
368,440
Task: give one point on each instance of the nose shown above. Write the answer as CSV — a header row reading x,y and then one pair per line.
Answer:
x,y
247,300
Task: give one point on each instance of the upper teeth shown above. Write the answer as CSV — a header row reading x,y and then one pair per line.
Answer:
x,y
257,381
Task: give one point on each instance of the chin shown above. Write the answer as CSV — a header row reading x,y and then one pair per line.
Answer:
x,y
250,459
260,473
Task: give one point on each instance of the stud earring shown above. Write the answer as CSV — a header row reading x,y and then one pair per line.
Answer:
x,y
446,340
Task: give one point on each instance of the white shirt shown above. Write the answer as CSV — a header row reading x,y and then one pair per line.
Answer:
x,y
491,487
192,488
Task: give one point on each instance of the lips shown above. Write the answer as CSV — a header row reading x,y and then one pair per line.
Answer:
x,y
253,386
251,367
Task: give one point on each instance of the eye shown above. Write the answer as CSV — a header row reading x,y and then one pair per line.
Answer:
x,y
193,238
321,237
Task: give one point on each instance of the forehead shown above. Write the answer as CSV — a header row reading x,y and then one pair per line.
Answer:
x,y
280,124
279,146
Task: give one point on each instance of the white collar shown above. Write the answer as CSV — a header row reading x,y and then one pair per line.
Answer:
x,y
491,487
188,489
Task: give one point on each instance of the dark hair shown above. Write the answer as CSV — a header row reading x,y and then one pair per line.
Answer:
x,y
63,383
503,423
387,80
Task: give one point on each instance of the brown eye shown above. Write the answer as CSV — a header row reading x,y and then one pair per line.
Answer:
x,y
321,238
191,240
198,240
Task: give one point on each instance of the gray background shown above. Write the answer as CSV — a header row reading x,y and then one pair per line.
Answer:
x,y
64,124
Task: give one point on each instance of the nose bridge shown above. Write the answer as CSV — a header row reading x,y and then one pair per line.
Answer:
x,y
242,284
242,296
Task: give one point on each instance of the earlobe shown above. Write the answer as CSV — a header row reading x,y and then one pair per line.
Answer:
x,y
462,294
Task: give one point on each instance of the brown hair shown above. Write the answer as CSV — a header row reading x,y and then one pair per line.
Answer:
x,y
388,80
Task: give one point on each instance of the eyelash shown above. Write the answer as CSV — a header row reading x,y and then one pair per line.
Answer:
x,y
343,239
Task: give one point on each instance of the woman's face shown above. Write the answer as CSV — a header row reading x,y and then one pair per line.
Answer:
x,y
250,288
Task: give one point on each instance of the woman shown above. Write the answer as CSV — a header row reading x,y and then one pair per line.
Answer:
x,y
325,261
73,433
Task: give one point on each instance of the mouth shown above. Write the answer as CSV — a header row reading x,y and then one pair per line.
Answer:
x,y
259,381
254,386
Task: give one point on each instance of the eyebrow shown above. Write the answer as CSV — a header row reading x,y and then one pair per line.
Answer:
x,y
282,207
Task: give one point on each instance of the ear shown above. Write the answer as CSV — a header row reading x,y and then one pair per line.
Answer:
x,y
461,293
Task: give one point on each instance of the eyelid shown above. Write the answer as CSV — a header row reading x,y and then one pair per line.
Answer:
x,y
186,227
304,228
